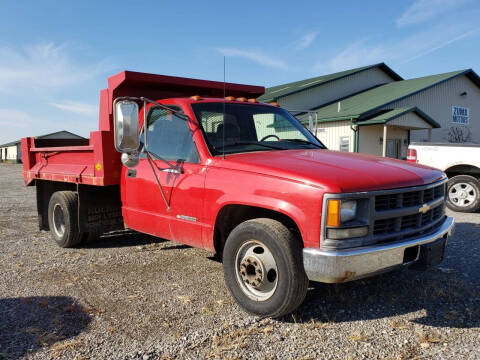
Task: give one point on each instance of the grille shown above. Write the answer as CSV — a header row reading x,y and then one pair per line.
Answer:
x,y
392,226
410,198
396,215
403,219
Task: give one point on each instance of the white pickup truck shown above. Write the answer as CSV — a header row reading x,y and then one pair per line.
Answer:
x,y
461,163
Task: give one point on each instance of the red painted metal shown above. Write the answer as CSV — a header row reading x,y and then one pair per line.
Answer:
x,y
99,163
291,182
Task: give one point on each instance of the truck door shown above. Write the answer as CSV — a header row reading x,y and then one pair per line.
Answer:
x,y
176,167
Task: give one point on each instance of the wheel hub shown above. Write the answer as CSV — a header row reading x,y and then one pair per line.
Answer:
x,y
256,270
251,271
58,220
462,194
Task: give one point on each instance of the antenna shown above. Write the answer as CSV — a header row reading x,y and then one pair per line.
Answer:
x,y
223,132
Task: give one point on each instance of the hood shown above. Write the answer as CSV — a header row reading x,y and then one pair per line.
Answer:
x,y
335,171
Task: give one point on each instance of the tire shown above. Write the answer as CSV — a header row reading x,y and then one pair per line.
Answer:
x,y
63,218
283,283
90,237
463,193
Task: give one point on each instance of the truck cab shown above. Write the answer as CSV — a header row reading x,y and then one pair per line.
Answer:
x,y
207,165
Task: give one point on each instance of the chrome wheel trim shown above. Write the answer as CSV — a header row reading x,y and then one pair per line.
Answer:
x,y
462,194
58,220
256,270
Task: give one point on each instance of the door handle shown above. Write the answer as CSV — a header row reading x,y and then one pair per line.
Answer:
x,y
173,170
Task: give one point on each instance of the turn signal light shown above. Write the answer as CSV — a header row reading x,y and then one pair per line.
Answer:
x,y
253,100
242,99
195,97
333,213
230,98
275,104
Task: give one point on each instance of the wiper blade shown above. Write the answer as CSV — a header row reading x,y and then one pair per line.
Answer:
x,y
248,143
303,142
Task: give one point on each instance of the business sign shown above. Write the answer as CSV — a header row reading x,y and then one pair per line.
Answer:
x,y
460,115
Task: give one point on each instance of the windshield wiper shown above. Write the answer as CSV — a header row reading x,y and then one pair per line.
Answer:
x,y
303,142
249,143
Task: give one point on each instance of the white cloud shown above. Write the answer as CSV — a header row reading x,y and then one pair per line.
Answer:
x,y
370,51
356,54
254,56
307,40
424,10
41,67
77,107
14,118
447,42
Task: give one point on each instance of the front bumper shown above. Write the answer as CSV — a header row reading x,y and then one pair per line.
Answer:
x,y
350,264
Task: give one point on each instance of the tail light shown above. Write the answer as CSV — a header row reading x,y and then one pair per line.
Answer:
x,y
412,155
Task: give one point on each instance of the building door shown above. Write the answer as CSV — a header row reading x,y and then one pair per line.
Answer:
x,y
394,148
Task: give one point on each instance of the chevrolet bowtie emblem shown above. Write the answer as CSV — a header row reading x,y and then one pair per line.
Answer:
x,y
424,208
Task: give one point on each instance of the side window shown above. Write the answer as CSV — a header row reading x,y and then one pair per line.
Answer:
x,y
169,137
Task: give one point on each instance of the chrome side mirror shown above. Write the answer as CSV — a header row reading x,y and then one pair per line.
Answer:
x,y
125,118
126,136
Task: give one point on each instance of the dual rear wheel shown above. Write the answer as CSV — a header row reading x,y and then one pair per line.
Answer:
x,y
63,220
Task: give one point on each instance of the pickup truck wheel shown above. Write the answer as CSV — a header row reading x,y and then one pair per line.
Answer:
x,y
463,193
62,218
263,266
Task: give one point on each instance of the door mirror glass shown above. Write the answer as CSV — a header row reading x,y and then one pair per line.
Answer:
x,y
125,118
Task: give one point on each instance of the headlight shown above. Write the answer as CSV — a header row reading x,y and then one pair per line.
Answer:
x,y
348,210
347,218
341,211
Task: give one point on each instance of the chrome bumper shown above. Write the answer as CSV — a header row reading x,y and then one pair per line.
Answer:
x,y
350,264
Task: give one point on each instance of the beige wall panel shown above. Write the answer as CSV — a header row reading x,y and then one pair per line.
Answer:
x,y
330,133
323,94
437,102
410,120
369,139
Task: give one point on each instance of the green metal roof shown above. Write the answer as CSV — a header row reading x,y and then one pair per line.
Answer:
x,y
275,92
387,116
369,101
10,144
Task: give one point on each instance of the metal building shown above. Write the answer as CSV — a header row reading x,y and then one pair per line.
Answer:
x,y
11,152
373,110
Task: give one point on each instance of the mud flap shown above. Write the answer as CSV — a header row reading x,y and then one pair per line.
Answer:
x,y
430,255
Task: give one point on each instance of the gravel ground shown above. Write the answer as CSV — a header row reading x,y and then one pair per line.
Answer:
x,y
131,296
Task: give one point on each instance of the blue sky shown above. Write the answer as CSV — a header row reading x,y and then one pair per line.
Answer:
x,y
55,56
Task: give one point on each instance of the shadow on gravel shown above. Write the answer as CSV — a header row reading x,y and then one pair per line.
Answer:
x,y
449,294
122,239
31,323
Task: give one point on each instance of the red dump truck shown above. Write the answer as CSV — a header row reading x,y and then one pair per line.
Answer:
x,y
205,164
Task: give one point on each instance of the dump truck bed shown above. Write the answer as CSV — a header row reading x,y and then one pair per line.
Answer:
x,y
95,161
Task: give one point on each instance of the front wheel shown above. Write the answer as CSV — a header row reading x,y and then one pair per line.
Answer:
x,y
263,266
463,193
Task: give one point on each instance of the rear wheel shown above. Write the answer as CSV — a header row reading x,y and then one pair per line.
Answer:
x,y
463,193
263,267
63,219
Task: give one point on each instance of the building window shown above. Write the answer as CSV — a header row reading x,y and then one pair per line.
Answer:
x,y
345,143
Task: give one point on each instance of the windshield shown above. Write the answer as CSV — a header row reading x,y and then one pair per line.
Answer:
x,y
251,128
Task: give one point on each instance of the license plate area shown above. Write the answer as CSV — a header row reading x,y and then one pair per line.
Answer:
x,y
430,255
